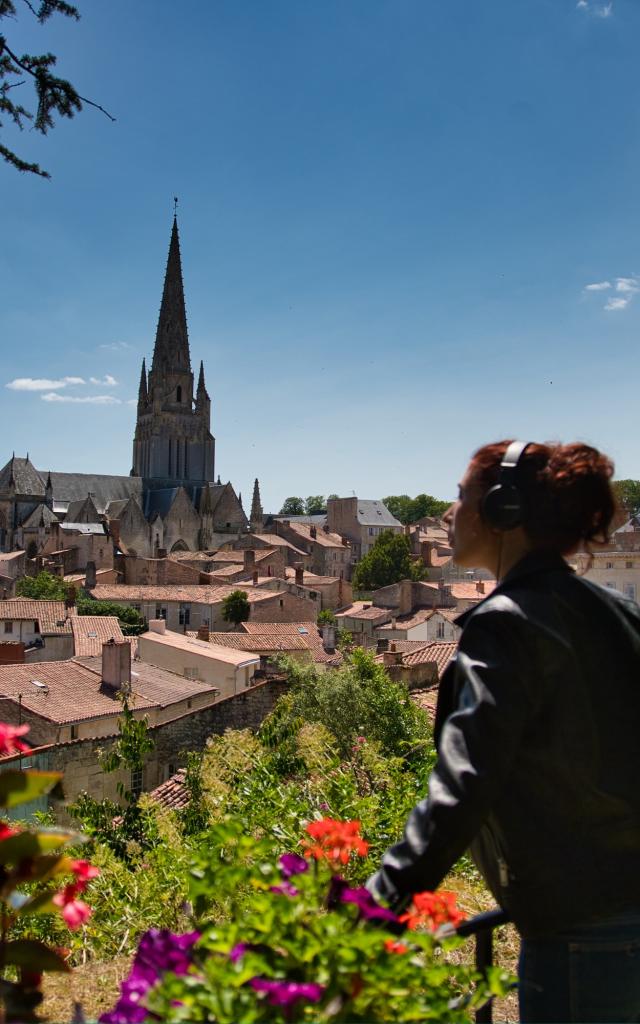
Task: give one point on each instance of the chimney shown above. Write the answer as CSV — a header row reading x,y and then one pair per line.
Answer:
x,y
480,586
116,665
249,558
157,626
255,577
299,567
382,645
329,638
114,530
391,657
90,576
394,622
313,533
203,632
405,602
70,600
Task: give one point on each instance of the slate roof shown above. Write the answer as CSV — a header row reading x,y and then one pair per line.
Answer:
x,y
78,508
90,632
40,513
68,487
375,513
26,478
52,615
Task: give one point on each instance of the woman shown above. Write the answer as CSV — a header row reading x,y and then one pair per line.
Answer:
x,y
538,736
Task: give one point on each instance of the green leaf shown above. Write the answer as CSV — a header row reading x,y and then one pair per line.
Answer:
x,y
33,844
20,787
40,904
34,955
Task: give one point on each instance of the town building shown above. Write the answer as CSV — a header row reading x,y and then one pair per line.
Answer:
x,y
360,521
224,667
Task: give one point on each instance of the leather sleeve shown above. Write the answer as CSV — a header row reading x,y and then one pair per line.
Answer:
x,y
476,750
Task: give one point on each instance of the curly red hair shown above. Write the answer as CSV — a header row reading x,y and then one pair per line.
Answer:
x,y
566,490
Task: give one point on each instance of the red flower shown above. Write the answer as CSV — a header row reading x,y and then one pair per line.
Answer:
x,y
334,840
8,742
432,909
392,946
6,832
75,912
83,872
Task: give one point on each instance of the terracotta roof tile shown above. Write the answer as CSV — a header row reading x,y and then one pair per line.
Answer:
x,y
193,645
187,593
257,642
307,630
324,539
172,794
52,615
90,632
364,610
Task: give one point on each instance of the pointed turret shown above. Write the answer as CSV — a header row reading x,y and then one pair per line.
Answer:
x,y
143,395
203,402
48,492
256,518
171,350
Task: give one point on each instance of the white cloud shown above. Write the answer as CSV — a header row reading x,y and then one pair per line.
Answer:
x,y
116,346
598,10
605,11
599,286
627,284
106,382
41,383
582,3
53,396
612,304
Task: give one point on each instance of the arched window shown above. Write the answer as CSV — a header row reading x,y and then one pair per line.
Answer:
x,y
179,393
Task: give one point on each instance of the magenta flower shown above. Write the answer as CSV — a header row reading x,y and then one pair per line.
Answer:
x,y
292,864
287,993
369,910
238,952
284,889
159,950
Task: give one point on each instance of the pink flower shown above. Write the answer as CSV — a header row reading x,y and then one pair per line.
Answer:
x,y
8,742
84,872
75,912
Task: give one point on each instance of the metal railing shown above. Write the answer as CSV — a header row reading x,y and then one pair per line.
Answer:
x,y
482,926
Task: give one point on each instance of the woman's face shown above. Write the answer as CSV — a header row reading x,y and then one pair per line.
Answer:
x,y
472,541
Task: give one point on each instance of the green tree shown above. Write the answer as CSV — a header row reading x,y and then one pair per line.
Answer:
x,y
292,507
236,607
120,825
131,621
314,504
627,494
332,497
54,96
326,618
388,561
43,587
408,510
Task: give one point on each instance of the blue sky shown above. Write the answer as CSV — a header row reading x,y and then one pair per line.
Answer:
x,y
390,213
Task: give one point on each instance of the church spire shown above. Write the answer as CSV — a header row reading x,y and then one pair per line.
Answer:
x,y
143,396
256,517
171,350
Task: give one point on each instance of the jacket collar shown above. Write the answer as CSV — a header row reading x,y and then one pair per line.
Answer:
x,y
533,562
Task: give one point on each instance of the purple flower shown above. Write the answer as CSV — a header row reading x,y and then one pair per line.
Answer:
x,y
323,807
284,889
292,864
286,993
339,892
238,952
159,950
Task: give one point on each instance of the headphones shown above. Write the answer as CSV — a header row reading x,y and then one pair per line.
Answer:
x,y
503,506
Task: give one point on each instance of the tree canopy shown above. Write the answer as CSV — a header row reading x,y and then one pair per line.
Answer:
x,y
314,504
46,587
409,510
236,607
292,507
388,561
54,96
627,494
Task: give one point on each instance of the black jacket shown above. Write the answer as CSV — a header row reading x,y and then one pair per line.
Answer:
x,y
538,736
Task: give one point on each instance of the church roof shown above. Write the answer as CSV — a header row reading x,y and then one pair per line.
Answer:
x,y
23,476
41,514
69,487
82,510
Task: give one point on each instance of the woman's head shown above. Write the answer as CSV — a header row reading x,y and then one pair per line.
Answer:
x,y
566,495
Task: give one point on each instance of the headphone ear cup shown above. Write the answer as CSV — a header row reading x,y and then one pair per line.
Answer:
x,y
502,507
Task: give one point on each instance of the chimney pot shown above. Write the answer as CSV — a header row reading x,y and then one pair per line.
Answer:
x,y
480,586
382,646
299,568
255,577
203,632
157,626
313,533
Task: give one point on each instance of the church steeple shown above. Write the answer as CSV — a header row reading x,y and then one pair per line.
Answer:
x,y
143,396
171,350
256,519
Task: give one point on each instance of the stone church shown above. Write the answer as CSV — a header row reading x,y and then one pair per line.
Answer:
x,y
171,501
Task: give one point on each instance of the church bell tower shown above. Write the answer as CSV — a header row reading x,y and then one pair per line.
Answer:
x,y
173,444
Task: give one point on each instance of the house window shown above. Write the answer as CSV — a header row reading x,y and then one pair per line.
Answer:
x,y
609,565
35,626
136,782
74,732
184,614
628,565
630,590
281,603
8,627
178,394
440,631
161,613
371,531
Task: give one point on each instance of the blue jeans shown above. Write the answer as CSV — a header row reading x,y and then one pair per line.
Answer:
x,y
589,974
